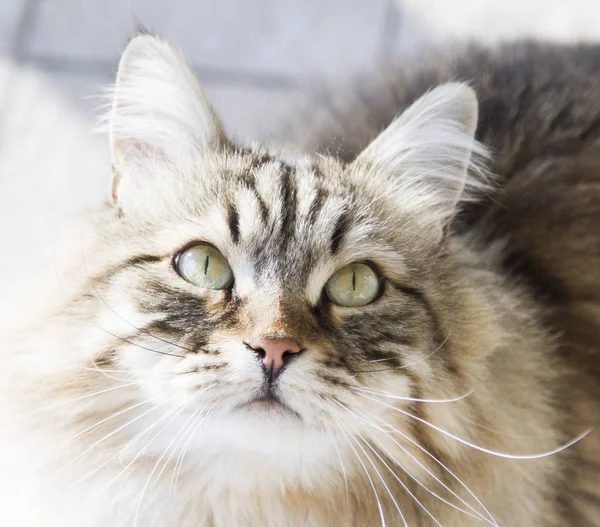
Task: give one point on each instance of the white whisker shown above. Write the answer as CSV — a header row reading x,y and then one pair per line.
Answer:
x,y
191,431
410,364
482,449
181,457
156,465
186,426
86,396
172,413
404,486
112,416
476,514
97,469
117,430
384,360
106,373
379,506
411,399
425,451
182,434
337,450
378,473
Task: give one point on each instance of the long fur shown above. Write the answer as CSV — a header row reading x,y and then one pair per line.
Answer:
x,y
460,396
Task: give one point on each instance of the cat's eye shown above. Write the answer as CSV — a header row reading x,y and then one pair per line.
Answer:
x,y
204,266
355,285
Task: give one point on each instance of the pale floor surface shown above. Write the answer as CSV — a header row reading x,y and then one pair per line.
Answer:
x,y
255,58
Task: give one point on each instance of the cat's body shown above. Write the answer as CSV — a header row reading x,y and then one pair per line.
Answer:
x,y
498,307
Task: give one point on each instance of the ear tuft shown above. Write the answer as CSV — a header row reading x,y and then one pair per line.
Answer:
x,y
158,109
429,156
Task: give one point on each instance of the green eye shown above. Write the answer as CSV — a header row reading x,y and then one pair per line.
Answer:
x,y
352,286
204,266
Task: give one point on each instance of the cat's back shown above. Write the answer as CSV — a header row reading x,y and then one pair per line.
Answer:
x,y
533,98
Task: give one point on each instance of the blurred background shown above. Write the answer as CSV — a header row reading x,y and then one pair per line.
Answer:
x,y
257,59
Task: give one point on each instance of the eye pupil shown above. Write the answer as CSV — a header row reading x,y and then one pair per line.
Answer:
x,y
357,284
203,265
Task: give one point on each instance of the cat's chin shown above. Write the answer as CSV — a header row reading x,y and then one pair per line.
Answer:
x,y
259,443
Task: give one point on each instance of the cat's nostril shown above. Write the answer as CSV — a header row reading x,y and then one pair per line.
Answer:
x,y
260,352
274,352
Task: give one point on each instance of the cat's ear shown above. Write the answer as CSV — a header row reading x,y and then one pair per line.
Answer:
x,y
424,157
159,114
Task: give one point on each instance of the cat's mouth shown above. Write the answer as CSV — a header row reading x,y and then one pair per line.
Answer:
x,y
268,403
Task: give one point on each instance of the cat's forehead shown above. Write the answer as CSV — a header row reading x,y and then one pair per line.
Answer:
x,y
279,206
283,202
277,177
281,219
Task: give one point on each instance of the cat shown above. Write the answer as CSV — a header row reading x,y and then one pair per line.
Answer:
x,y
398,324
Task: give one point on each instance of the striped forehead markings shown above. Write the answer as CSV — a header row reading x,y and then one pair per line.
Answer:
x,y
339,231
321,195
233,221
289,197
248,180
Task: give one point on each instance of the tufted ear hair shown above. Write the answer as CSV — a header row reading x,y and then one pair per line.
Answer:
x,y
427,159
159,116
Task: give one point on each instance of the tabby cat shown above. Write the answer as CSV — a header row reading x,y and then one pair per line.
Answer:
x,y
395,327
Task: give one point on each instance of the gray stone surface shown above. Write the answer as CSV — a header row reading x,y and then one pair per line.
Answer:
x,y
274,37
10,14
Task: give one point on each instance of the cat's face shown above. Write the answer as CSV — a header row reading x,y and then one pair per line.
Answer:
x,y
253,291
265,239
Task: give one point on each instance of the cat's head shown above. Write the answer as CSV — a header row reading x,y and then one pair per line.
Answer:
x,y
281,295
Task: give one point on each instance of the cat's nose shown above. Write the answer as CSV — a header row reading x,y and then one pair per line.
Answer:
x,y
274,352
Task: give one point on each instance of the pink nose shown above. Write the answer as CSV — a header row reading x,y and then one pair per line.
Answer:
x,y
274,352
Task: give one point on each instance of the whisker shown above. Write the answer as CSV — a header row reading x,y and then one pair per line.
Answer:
x,y
127,445
411,399
83,397
192,430
91,281
156,465
108,436
379,506
406,365
380,476
172,413
106,373
476,514
337,450
100,369
383,360
123,339
181,457
479,448
191,419
182,434
305,521
404,486
102,421
425,451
